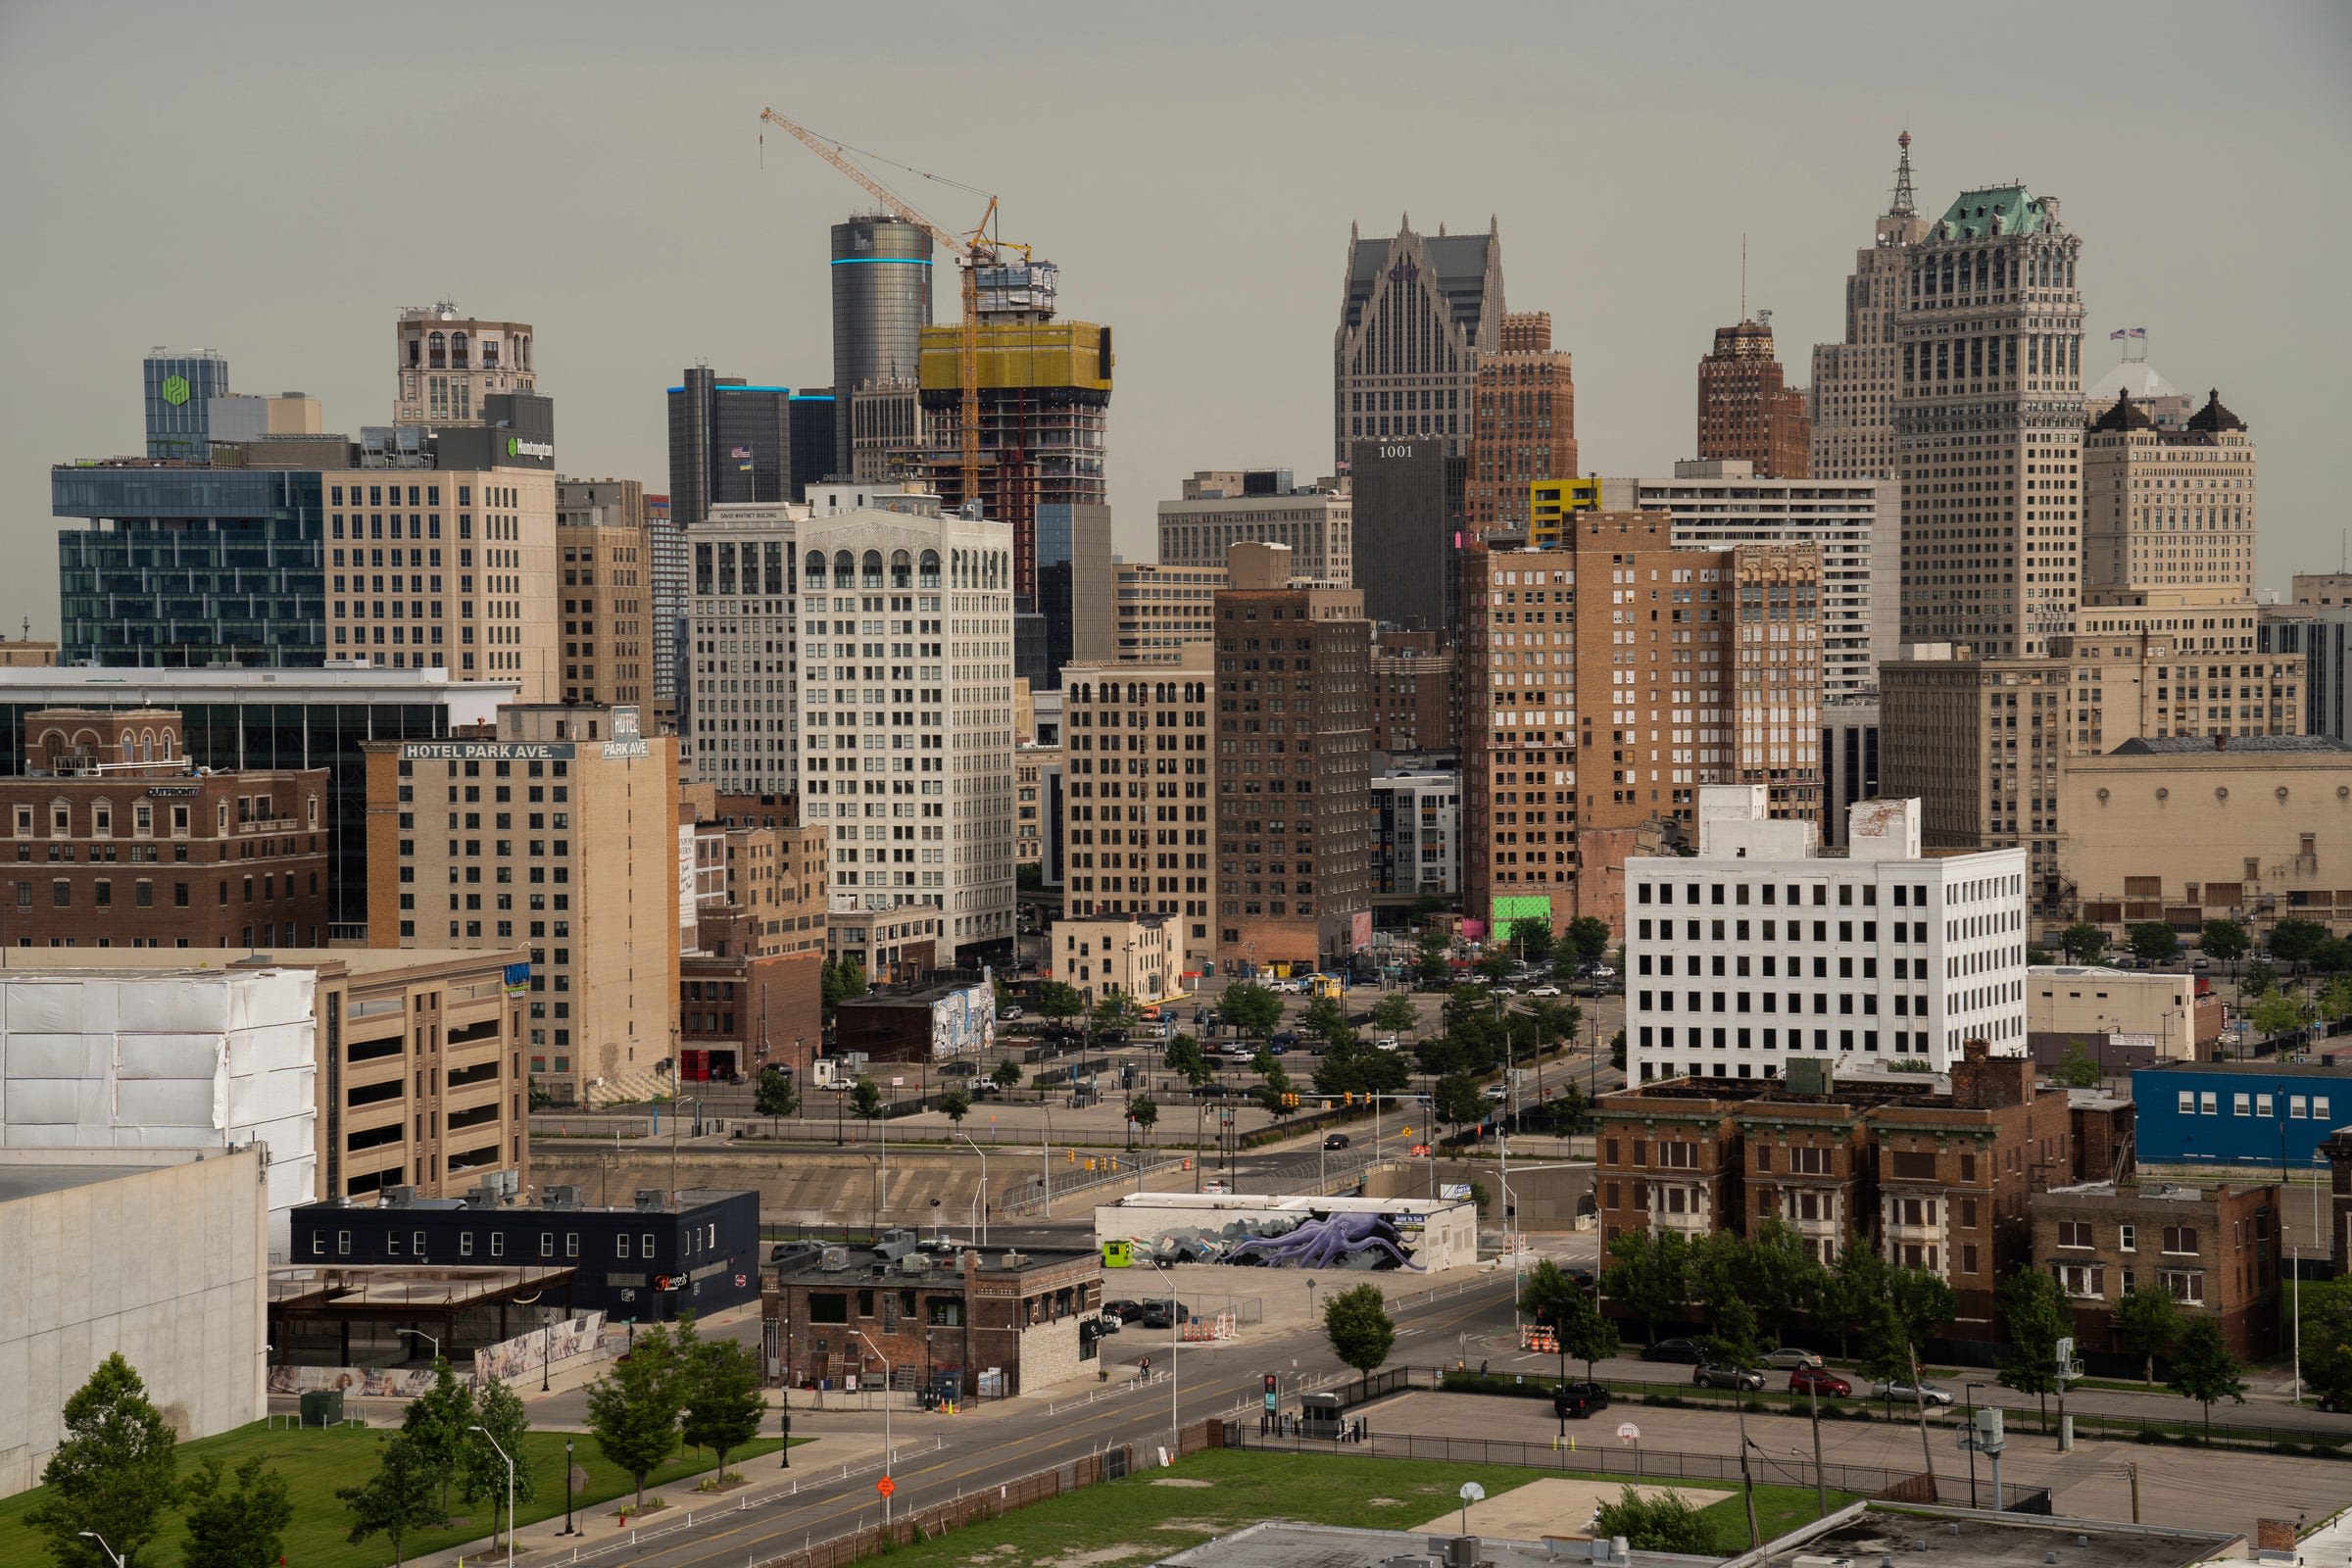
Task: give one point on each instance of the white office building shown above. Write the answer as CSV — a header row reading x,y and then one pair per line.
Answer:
x,y
906,708
1858,523
1762,947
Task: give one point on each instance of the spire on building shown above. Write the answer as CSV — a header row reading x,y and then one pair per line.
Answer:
x,y
1904,205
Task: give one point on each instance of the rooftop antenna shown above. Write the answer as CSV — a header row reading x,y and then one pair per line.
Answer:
x,y
1903,207
1743,277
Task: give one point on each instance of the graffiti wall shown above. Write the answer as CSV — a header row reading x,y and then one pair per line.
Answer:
x,y
508,1360
1251,1232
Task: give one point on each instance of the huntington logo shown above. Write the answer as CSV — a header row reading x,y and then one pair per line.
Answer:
x,y
517,447
176,390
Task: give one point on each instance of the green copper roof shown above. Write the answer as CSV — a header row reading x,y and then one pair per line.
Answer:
x,y
1972,215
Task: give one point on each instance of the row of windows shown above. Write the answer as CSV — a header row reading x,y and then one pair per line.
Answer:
x,y
2300,1107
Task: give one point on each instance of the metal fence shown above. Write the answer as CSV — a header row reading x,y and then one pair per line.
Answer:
x,y
1026,1196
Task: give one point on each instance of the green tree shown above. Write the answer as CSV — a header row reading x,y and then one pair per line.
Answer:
x,y
1779,1276
1250,1010
2331,956
1553,1022
244,1527
1552,1298
774,1096
2082,942
1495,964
2328,1340
1115,1013
398,1499
114,1471
1322,1016
1356,1322
1568,1108
839,981
2076,1069
633,1409
1057,1000
1274,1083
1617,1049
1584,1332
2039,957
1457,1099
1185,1057
2336,1003
865,1099
2281,1012
1144,1111
1589,935
1734,1342
1432,960
1886,1350
1007,1075
1650,1273
956,1105
2226,939
1855,1292
1531,940
1395,1014
2034,1317
436,1422
2152,941
2204,1370
1664,1522
2259,977
2147,1322
1922,1302
722,1403
2294,939
483,1476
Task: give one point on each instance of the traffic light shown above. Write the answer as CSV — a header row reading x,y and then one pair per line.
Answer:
x,y
1270,1383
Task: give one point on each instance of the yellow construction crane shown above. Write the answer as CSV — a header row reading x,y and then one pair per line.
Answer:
x,y
972,251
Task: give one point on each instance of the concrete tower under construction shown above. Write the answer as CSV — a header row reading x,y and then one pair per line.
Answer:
x,y
881,303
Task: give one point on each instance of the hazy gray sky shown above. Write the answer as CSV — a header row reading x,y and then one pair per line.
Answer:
x,y
275,181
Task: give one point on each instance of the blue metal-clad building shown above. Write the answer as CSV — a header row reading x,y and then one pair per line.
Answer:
x,y
2239,1112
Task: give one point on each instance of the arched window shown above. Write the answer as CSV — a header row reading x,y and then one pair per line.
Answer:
x,y
845,569
437,352
927,569
522,353
873,575
457,351
902,569
130,747
814,569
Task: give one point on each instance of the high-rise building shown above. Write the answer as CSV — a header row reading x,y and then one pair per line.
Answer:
x,y
560,829
1417,835
2317,625
448,365
814,416
906,731
2191,662
1614,651
1856,522
1408,515
1293,768
1416,313
1139,836
738,694
2136,378
1073,589
1221,510
1160,608
666,587
1989,424
180,386
1852,407
605,550
1523,423
888,430
881,303
1979,741
2168,509
1746,412
1763,948
1413,693
728,441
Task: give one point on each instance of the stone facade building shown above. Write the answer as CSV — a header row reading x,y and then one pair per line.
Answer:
x,y
1416,311
1978,743
1523,423
1852,405
1141,835
1412,691
2168,509
607,588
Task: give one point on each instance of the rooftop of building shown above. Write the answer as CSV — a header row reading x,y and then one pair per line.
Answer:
x,y
2136,378
2099,971
2193,745
2250,1069
1967,1538
814,1262
553,1199
1280,1543
2160,1192
2000,210
345,682
84,962
32,1172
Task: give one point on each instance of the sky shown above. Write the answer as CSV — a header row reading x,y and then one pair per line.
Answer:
x,y
275,181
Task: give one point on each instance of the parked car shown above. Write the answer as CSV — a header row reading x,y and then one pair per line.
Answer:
x,y
1579,1399
1386,1043
1107,1324
1212,1091
957,1070
1900,1389
1125,1311
1789,1357
1155,1315
1812,1379
1543,991
2330,1404
1601,971
1283,1042
1504,991
1674,1351
1705,1376
1012,1016
1335,1141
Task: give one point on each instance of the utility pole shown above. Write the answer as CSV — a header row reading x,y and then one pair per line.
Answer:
x,y
1747,1485
2133,1470
1821,1480
1920,1399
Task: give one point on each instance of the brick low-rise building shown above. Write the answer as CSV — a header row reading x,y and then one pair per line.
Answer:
x,y
941,1322
121,841
2213,1250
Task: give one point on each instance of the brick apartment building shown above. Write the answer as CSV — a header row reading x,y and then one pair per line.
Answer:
x,y
1935,1171
1412,691
2214,1250
1747,411
121,841
1522,423
750,983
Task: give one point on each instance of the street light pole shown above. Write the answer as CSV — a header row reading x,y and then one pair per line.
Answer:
x,y
886,1450
983,1153
1970,1394
427,1338
567,1529
510,1458
1175,1338
112,1555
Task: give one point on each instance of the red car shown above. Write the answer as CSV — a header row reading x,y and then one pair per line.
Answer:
x,y
1811,1379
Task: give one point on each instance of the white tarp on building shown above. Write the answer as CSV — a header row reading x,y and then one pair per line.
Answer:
x,y
202,1059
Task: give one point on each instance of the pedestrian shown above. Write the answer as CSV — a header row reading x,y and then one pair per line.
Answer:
x,y
1482,1366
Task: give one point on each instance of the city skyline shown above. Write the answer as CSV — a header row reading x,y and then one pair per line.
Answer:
x,y
640,236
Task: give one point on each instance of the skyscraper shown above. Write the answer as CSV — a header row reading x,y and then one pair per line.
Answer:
x,y
881,303
667,589
1523,422
728,441
180,388
606,556
1989,424
1407,508
1853,381
447,364
2168,509
1416,313
1746,414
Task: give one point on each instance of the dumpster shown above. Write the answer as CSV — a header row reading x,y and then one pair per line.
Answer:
x,y
322,1407
1118,1253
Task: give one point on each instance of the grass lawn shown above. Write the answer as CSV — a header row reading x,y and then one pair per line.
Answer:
x,y
1139,1520
317,1462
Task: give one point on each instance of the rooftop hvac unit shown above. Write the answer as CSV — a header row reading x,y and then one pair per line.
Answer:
x,y
650,1200
396,1197
914,1263
833,1259
486,1196
563,1194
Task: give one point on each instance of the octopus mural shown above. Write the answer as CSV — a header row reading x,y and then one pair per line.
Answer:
x,y
1318,1241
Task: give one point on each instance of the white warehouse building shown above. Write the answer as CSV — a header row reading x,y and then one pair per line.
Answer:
x,y
1762,947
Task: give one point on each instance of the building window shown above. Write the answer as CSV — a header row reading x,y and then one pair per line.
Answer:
x,y
620,1244
2181,1239
2126,1238
2186,1288
2074,1233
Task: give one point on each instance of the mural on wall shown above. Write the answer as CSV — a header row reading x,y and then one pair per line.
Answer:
x,y
963,1022
1356,1240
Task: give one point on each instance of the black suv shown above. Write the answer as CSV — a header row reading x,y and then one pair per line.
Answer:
x,y
1579,1399
1683,1350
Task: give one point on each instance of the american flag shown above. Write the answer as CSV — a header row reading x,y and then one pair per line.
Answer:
x,y
2139,331
2118,335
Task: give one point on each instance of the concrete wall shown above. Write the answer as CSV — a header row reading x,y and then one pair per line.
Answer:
x,y
1548,1194
827,1188
163,1255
